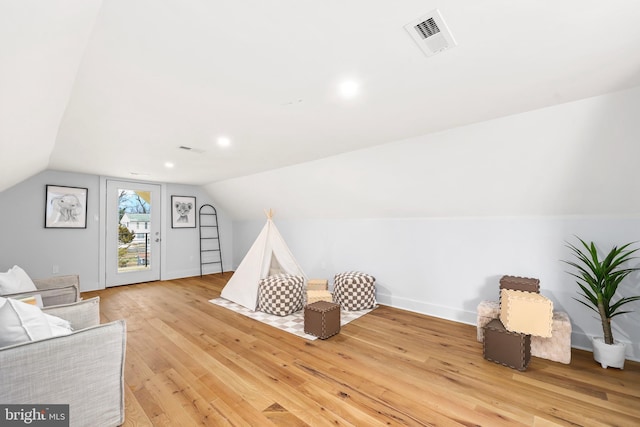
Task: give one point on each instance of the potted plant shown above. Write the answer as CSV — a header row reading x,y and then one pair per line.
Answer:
x,y
598,279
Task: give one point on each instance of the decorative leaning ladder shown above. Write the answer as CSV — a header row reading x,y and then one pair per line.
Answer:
x,y
210,250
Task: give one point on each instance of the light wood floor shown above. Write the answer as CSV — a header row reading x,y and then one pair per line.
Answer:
x,y
190,362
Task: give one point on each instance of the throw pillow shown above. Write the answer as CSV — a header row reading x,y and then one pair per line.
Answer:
x,y
20,322
58,326
15,281
9,283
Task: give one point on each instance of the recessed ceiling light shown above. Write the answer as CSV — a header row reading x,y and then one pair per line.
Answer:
x,y
349,88
223,141
295,101
168,165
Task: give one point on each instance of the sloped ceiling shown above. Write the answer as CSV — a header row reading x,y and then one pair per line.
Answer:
x,y
41,46
115,87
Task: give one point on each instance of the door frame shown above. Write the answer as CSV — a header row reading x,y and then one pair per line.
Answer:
x,y
102,268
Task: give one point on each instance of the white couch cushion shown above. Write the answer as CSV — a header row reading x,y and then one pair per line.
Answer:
x,y
82,314
20,322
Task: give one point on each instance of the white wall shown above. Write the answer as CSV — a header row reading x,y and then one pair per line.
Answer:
x,y
183,244
438,219
445,267
27,243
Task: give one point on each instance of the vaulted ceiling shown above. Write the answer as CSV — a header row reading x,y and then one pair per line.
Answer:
x,y
116,87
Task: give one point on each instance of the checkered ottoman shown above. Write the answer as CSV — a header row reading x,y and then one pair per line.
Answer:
x,y
281,294
354,290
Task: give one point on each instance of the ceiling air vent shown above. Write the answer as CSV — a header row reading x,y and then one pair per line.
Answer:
x,y
431,33
191,149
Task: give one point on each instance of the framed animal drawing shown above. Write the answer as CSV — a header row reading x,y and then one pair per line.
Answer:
x,y
65,207
183,212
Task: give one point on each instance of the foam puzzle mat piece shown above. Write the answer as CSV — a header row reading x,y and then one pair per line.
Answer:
x,y
526,313
558,346
517,283
507,348
322,319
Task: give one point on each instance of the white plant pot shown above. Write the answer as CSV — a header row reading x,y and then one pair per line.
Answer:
x,y
609,354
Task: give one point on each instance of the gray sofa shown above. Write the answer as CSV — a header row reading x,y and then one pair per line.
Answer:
x,y
55,290
84,369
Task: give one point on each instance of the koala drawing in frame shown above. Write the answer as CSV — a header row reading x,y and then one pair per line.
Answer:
x,y
183,211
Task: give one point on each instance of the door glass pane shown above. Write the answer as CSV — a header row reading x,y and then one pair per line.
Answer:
x,y
134,214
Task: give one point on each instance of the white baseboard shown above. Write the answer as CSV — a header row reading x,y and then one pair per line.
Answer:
x,y
578,340
449,313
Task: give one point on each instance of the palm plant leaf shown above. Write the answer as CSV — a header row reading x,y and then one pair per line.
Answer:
x,y
588,295
614,307
591,307
599,279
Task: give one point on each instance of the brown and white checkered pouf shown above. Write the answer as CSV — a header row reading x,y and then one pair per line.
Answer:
x,y
354,290
281,294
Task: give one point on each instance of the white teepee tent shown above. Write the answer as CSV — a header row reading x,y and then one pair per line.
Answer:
x,y
268,255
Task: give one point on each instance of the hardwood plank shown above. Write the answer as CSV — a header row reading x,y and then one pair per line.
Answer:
x,y
134,414
190,362
281,416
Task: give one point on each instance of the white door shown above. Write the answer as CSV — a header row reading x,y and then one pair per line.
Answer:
x,y
132,233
